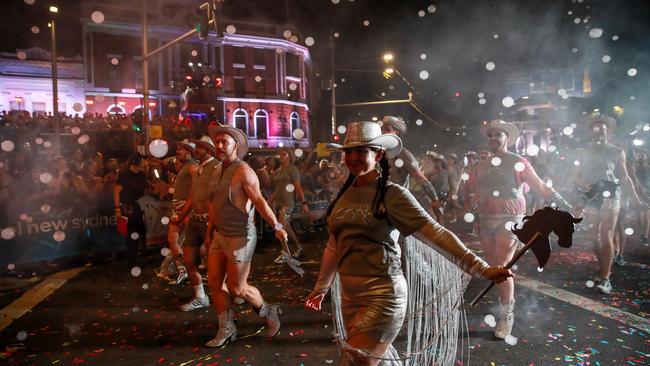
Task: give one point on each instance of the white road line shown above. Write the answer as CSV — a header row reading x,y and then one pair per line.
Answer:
x,y
585,303
35,295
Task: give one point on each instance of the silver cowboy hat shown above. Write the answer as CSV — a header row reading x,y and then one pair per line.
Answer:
x,y
395,122
367,133
188,144
206,143
607,120
235,133
511,130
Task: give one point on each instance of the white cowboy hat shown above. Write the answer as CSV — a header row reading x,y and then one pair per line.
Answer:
x,y
188,144
366,133
511,130
435,155
206,143
395,122
607,120
235,133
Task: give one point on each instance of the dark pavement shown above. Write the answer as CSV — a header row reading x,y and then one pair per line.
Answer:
x,y
106,316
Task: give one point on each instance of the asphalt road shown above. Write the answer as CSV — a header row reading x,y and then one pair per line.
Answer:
x,y
104,315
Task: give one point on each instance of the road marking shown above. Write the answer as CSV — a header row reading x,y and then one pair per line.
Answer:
x,y
585,303
35,295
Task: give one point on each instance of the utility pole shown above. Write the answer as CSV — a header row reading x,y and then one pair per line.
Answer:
x,y
333,86
55,85
145,75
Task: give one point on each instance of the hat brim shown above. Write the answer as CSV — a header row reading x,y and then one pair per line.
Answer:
x,y
391,144
235,133
205,145
511,130
609,121
186,145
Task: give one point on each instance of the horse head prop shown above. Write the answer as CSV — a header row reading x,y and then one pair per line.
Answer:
x,y
538,227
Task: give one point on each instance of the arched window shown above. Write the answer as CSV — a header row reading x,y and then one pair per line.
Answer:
x,y
294,121
240,120
115,109
261,122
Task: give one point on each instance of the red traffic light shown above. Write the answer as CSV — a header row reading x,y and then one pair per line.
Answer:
x,y
336,137
218,81
457,94
188,77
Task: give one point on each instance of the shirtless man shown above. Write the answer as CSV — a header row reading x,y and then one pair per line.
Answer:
x,y
232,236
197,206
601,160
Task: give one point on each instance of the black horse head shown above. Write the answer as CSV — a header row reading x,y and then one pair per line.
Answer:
x,y
544,221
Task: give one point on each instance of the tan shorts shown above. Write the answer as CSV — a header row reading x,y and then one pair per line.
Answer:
x,y
236,249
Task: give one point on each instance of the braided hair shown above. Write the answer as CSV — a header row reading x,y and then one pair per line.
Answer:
x,y
378,208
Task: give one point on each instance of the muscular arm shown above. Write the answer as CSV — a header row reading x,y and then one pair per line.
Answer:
x,y
536,183
622,175
251,186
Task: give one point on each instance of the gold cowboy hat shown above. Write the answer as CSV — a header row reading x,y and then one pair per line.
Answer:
x,y
235,133
367,133
206,143
511,130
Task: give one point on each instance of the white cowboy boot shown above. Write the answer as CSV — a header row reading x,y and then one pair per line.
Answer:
x,y
272,315
227,330
506,320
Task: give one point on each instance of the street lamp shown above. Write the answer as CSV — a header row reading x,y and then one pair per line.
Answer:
x,y
388,57
55,88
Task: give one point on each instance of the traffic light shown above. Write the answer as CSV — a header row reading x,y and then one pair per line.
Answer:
x,y
218,81
136,120
201,24
336,138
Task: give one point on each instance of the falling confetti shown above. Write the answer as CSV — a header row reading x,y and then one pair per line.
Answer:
x,y
605,59
532,150
595,32
21,336
399,163
421,13
628,231
489,66
606,194
468,217
59,235
510,340
482,101
567,130
158,148
115,61
165,251
45,208
431,9
490,320
286,34
519,166
21,55
341,129
45,178
418,122
424,74
464,176
495,193
423,56
631,72
136,271
135,236
366,23
293,86
7,145
298,152
36,30
495,161
298,134
231,29
8,233
290,187
97,17
590,283
508,102
309,41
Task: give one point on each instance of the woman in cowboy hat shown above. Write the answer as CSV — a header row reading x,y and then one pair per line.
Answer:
x,y
368,209
499,202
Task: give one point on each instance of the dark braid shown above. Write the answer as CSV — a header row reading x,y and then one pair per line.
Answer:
x,y
378,207
346,185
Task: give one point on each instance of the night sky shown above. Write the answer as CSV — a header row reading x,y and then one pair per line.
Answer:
x,y
457,37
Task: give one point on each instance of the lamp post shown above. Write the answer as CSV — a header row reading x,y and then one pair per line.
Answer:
x,y
55,87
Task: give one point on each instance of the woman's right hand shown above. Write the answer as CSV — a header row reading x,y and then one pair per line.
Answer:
x,y
497,274
314,300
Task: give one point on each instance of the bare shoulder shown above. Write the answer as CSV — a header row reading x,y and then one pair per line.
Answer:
x,y
245,174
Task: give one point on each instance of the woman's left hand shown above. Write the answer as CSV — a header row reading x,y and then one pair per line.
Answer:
x,y
314,300
497,274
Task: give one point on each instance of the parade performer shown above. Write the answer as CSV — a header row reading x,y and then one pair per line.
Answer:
x,y
499,203
602,161
232,235
182,186
362,248
405,164
196,208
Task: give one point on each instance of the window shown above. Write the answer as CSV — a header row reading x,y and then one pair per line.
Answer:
x,y
238,55
240,88
294,121
240,120
261,121
292,65
38,108
259,57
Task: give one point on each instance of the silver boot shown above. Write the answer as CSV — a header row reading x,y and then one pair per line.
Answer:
x,y
272,315
506,320
227,330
